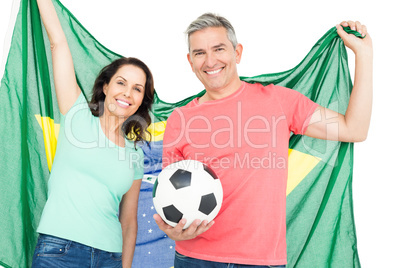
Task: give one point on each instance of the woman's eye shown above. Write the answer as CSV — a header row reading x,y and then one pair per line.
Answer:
x,y
120,83
137,89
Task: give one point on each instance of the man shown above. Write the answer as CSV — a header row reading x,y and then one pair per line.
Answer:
x,y
235,123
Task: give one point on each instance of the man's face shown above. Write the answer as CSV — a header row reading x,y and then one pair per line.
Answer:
x,y
213,58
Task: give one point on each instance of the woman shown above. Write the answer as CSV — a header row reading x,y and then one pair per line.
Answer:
x,y
90,217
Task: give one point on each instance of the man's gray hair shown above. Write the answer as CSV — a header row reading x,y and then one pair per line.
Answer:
x,y
207,20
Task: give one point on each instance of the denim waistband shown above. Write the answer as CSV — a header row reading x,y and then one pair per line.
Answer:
x,y
66,241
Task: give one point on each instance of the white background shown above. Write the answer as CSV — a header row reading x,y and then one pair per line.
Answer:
x,y
276,35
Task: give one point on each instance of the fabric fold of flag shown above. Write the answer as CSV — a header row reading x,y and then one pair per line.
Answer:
x,y
320,223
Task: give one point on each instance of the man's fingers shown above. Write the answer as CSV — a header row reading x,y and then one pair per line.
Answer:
x,y
204,226
352,25
178,233
190,232
356,26
344,23
161,223
158,219
340,31
178,229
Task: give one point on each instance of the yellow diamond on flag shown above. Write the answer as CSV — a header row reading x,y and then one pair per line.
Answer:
x,y
299,165
157,130
50,134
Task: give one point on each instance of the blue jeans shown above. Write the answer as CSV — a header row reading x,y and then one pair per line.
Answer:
x,y
181,261
52,251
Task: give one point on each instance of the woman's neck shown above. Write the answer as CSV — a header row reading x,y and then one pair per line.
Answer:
x,y
111,126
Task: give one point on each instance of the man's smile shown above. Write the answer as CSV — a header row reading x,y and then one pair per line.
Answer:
x,y
215,71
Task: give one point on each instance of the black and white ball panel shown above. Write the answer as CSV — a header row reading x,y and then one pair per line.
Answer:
x,y
187,189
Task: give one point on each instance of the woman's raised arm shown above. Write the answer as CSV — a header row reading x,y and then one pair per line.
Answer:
x,y
67,89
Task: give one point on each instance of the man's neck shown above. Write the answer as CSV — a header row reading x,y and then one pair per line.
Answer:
x,y
217,94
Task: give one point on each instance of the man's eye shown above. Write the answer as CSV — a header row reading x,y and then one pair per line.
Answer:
x,y
199,53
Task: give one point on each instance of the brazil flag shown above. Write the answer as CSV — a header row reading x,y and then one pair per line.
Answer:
x,y
320,224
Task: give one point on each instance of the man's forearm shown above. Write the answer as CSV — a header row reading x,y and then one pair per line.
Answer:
x,y
358,113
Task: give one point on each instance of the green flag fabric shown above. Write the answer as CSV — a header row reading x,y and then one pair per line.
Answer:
x,y
320,224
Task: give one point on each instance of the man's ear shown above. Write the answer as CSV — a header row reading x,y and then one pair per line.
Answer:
x,y
189,61
238,52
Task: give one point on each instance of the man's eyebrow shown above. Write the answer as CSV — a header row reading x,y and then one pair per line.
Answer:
x,y
214,47
197,50
219,45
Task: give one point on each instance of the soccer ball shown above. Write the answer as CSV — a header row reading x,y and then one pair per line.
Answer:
x,y
187,189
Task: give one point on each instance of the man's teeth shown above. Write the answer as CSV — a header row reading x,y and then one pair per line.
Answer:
x,y
215,72
122,102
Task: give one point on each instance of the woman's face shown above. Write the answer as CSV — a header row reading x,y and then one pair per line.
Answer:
x,y
125,91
